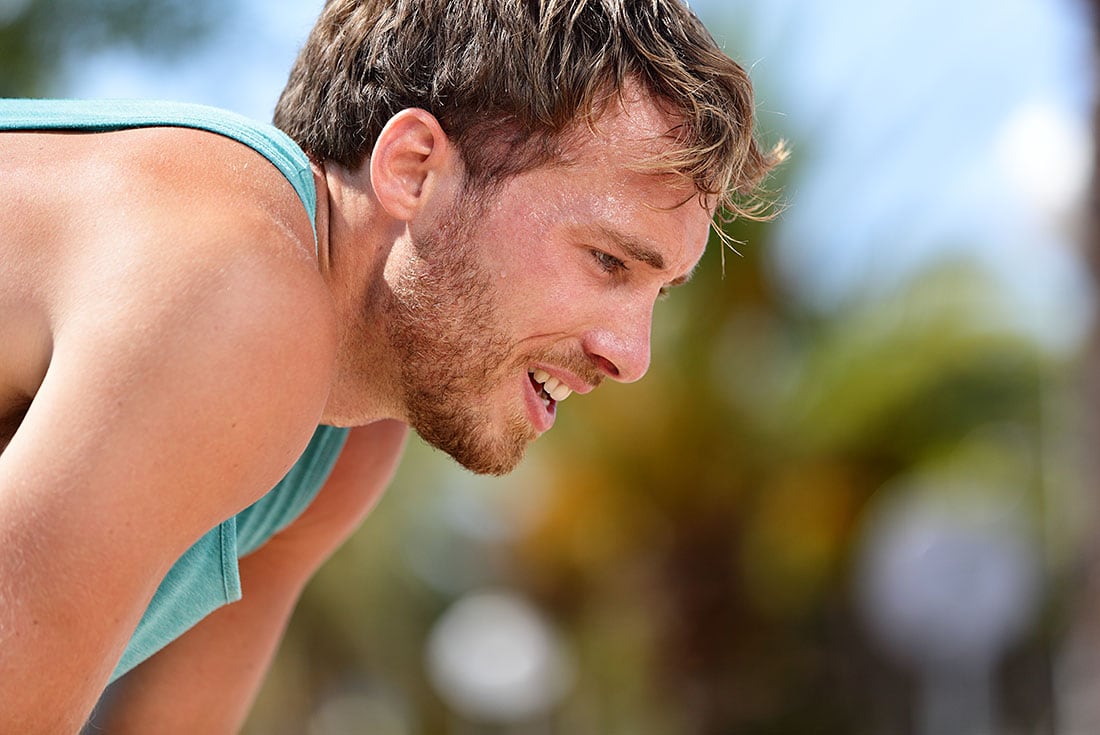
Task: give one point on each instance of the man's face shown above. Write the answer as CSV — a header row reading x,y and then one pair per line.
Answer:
x,y
555,274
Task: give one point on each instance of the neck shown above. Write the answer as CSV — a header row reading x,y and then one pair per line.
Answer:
x,y
355,236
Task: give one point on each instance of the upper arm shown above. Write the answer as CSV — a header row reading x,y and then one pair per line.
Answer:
x,y
170,402
205,680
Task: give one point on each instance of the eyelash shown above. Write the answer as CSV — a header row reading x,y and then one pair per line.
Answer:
x,y
614,266
608,263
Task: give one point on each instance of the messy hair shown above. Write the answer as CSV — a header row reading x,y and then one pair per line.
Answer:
x,y
509,80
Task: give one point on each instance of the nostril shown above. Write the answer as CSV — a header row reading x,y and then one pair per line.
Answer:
x,y
606,366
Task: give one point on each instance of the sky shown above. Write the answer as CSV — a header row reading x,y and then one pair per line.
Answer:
x,y
921,131
925,130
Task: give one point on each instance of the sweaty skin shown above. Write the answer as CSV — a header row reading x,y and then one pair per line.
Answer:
x,y
558,272
155,313
172,339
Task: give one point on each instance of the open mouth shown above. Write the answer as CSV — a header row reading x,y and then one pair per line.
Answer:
x,y
551,390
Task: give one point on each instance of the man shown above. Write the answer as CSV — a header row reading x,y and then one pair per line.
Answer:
x,y
495,194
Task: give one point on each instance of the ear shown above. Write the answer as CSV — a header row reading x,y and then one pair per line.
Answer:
x,y
410,156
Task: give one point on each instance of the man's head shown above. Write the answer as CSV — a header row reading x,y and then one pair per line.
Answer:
x,y
496,308
578,152
511,81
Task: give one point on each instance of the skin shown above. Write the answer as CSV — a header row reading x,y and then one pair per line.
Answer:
x,y
189,378
547,275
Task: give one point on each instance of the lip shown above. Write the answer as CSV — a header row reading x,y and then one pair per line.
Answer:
x,y
541,417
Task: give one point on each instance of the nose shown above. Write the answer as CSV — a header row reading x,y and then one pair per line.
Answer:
x,y
621,346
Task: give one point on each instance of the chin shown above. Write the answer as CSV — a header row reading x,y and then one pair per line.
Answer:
x,y
480,454
496,461
496,466
484,442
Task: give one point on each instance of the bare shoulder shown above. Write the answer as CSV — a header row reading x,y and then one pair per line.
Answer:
x,y
180,296
193,223
157,214
220,279
172,170
170,345
216,199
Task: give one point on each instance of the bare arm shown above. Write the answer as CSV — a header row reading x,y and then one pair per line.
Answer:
x,y
206,680
164,410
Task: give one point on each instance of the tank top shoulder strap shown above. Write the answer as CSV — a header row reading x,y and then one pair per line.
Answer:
x,y
106,115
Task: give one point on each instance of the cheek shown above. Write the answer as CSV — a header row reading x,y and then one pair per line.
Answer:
x,y
539,297
537,280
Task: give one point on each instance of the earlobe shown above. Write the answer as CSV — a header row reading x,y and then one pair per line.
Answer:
x,y
409,155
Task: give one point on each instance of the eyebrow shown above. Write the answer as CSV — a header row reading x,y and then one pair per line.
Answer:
x,y
634,248
641,252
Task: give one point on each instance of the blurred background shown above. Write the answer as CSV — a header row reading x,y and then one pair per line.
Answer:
x,y
855,493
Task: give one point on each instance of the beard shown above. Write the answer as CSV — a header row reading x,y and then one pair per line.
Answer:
x,y
445,332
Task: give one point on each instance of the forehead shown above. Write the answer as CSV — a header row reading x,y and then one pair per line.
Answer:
x,y
630,131
603,191
610,173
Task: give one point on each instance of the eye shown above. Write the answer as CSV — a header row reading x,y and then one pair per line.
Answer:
x,y
608,263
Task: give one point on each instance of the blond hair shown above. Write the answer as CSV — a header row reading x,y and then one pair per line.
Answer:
x,y
508,81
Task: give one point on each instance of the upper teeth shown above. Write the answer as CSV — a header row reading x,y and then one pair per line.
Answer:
x,y
552,386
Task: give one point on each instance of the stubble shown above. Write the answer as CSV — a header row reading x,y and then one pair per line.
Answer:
x,y
446,332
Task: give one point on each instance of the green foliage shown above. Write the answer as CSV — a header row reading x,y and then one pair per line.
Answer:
x,y
739,470
694,533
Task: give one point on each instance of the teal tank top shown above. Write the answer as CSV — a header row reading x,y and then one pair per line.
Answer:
x,y
206,576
